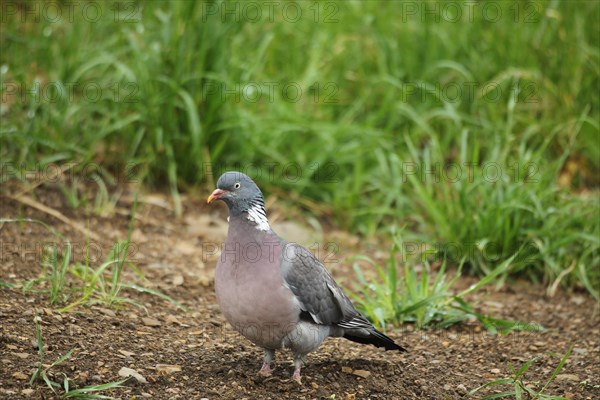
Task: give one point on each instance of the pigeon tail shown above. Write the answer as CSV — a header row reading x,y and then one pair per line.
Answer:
x,y
375,338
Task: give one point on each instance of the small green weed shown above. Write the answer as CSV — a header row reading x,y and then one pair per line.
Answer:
x,y
520,390
74,284
424,300
44,374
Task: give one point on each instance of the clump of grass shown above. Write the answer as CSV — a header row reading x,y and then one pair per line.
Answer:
x,y
521,211
426,301
95,283
44,374
519,389
71,187
55,271
72,284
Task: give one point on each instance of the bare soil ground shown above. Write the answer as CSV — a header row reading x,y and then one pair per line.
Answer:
x,y
195,354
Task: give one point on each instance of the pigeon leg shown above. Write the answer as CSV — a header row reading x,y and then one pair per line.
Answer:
x,y
266,369
298,361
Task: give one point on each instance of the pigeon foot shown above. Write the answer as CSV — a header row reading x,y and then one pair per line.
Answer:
x,y
266,369
296,376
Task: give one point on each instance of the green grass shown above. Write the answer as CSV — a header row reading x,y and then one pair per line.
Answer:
x,y
176,108
487,222
44,374
70,284
520,390
428,299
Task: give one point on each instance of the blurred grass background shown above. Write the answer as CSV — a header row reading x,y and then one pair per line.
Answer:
x,y
348,104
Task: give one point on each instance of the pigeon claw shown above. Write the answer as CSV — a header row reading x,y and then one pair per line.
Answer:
x,y
266,370
296,376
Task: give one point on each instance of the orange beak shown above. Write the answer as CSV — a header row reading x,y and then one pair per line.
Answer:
x,y
215,195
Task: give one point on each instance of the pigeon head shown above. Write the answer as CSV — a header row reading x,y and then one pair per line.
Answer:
x,y
241,195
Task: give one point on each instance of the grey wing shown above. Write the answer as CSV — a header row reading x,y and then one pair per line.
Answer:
x,y
316,290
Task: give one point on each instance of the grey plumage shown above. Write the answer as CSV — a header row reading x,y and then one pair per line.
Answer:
x,y
275,293
324,301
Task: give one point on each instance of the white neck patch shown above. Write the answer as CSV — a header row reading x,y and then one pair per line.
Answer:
x,y
257,215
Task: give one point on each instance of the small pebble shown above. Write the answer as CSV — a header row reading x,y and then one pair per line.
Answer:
x,y
20,375
567,377
362,373
168,369
127,353
126,372
151,322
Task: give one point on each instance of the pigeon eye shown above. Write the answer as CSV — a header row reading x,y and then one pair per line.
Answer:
x,y
237,185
